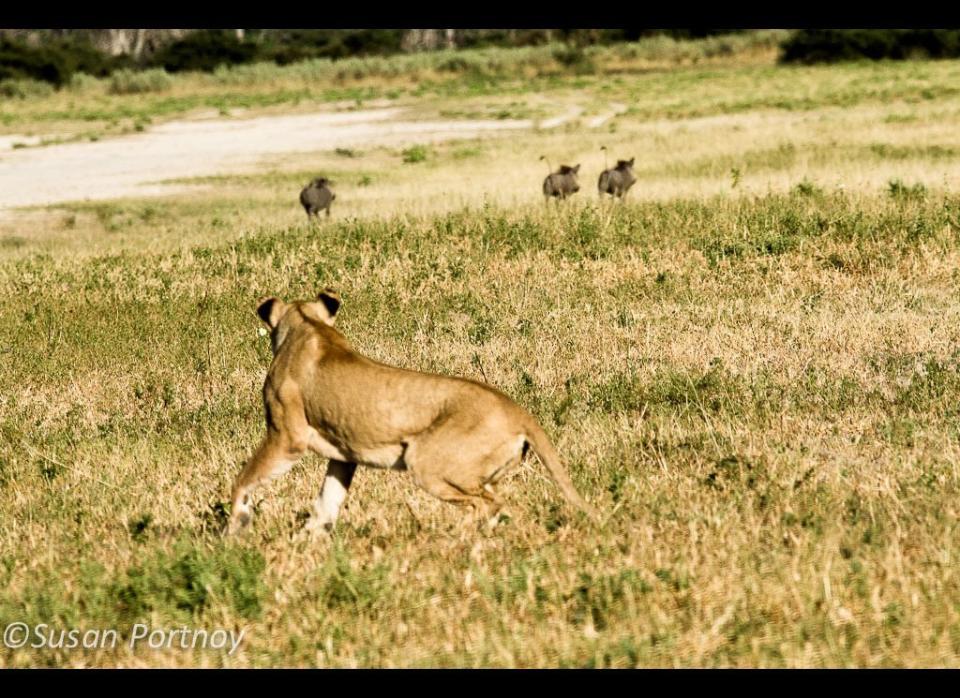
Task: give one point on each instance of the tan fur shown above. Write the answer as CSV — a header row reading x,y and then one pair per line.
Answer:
x,y
456,436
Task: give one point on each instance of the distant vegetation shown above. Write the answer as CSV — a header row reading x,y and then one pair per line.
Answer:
x,y
833,45
54,61
58,57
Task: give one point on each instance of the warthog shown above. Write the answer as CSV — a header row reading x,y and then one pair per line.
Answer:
x,y
617,180
562,183
317,197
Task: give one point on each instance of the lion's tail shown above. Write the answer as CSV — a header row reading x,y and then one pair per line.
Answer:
x,y
538,439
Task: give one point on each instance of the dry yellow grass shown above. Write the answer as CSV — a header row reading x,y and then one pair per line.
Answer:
x,y
758,382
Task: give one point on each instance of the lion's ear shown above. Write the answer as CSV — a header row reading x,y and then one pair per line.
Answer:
x,y
271,310
331,301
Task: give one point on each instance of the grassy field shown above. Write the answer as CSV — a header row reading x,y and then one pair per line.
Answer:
x,y
91,108
752,366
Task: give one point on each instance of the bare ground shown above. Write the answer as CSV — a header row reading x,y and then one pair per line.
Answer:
x,y
135,165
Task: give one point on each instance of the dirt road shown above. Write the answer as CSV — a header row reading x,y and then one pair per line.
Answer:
x,y
133,165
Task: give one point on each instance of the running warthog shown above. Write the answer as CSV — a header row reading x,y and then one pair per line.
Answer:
x,y
617,180
317,197
562,183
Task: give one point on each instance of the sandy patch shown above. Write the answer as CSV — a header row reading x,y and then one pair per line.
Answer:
x,y
134,165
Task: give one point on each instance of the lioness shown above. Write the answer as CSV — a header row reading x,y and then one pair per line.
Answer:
x,y
456,436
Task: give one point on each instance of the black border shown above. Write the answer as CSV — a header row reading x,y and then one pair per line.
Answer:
x,y
378,14
489,13
530,682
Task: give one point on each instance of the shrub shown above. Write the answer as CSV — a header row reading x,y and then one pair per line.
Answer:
x,y
24,88
416,153
204,50
55,61
902,192
574,57
807,188
832,45
81,82
289,46
125,82
185,582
